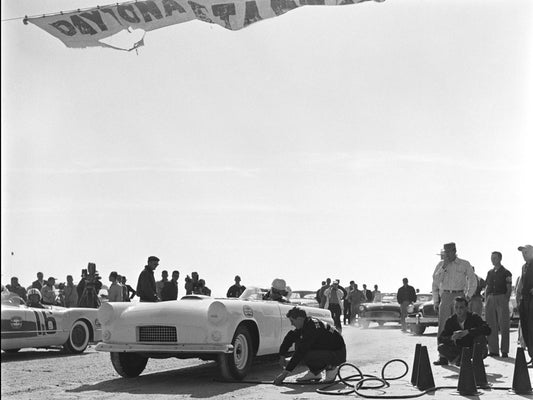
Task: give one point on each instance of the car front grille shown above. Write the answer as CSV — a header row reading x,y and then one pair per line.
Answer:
x,y
381,314
429,311
165,334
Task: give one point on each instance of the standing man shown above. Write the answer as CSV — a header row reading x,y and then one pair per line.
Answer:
x,y
191,284
406,295
376,295
114,292
71,293
334,297
159,284
236,289
355,296
347,305
498,292
524,297
322,301
318,345
48,292
16,288
146,283
170,290
367,294
127,289
476,302
452,277
39,283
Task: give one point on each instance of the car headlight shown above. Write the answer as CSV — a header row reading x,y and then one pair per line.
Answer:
x,y
106,313
361,308
217,313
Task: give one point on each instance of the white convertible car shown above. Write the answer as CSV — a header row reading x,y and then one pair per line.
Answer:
x,y
230,331
72,328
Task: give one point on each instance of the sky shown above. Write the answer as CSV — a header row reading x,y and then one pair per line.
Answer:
x,y
345,142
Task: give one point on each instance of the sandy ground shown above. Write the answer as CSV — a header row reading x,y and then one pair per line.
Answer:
x,y
42,374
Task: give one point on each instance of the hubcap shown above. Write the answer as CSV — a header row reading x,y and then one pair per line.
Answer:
x,y
240,353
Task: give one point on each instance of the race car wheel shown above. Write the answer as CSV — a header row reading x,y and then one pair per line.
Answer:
x,y
78,338
128,365
417,329
237,364
12,350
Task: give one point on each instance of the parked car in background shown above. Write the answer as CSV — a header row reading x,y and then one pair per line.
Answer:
x,y
303,298
388,310
231,331
52,326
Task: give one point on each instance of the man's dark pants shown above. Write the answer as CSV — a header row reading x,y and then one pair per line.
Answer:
x,y
318,360
336,312
451,351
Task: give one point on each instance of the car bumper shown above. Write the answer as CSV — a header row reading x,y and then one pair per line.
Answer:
x,y
429,321
166,348
378,318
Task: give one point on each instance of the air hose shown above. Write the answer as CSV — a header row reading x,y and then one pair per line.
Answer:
x,y
361,383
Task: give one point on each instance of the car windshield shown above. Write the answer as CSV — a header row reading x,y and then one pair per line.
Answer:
x,y
253,293
388,298
424,297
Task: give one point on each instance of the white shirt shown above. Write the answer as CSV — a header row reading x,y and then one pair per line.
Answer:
x,y
455,275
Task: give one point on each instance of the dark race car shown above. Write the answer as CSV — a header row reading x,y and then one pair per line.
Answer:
x,y
388,310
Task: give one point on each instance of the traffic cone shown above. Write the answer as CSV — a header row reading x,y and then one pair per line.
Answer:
x,y
479,368
521,381
416,362
424,377
467,382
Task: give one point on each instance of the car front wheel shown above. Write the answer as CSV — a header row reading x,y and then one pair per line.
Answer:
x,y
417,329
128,365
237,364
78,338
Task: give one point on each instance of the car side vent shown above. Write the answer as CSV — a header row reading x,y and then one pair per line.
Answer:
x,y
165,334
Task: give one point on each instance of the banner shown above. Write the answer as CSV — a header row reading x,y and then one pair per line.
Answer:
x,y
86,28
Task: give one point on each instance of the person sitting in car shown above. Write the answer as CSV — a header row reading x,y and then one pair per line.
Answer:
x,y
34,298
278,291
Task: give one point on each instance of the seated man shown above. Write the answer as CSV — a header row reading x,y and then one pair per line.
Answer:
x,y
462,329
319,345
34,298
277,292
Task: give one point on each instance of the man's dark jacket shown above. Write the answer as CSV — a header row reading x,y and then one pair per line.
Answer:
x,y
473,323
314,335
146,285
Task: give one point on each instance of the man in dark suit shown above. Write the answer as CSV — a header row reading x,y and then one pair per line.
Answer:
x,y
462,329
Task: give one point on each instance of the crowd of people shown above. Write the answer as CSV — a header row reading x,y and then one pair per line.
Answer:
x,y
458,295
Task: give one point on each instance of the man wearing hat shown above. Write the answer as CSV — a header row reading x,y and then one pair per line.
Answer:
x,y
452,277
146,289
524,298
277,291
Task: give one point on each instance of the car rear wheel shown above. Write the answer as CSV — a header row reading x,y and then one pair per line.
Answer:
x,y
128,365
78,338
417,329
237,364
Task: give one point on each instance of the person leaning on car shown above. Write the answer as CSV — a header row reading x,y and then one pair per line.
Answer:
x,y
146,283
462,329
318,345
405,296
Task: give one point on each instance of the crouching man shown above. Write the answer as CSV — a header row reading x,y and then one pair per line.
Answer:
x,y
462,329
318,345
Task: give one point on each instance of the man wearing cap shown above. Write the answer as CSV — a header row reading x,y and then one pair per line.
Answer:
x,y
48,292
277,292
237,289
452,277
524,298
497,293
146,283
